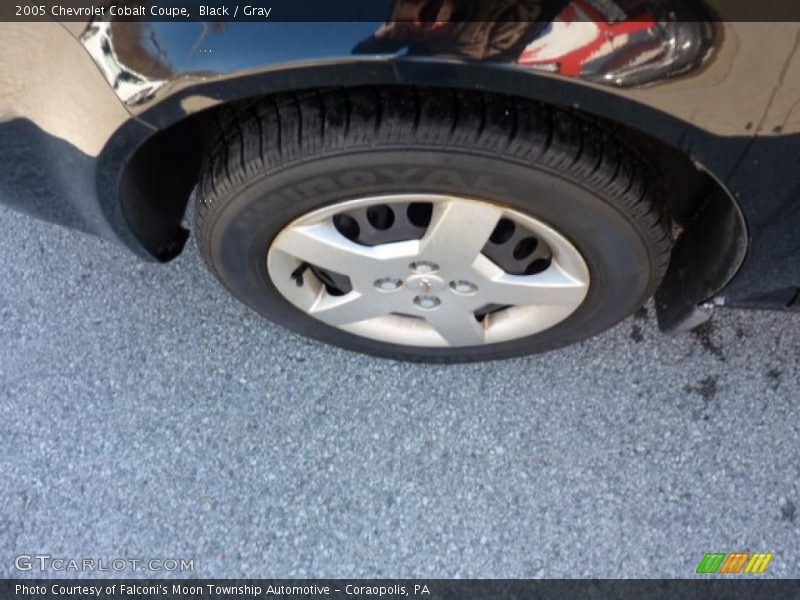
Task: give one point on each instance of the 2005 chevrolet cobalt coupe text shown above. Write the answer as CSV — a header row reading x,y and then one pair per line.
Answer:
x,y
435,180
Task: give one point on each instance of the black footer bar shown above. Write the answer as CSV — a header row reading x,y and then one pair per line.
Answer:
x,y
391,589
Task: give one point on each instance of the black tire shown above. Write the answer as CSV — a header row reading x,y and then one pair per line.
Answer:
x,y
284,156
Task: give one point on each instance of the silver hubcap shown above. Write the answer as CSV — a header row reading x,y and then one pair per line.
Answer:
x,y
439,290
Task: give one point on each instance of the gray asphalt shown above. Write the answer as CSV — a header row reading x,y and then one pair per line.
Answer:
x,y
145,414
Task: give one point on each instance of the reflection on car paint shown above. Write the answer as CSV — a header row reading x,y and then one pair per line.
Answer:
x,y
617,43
610,46
132,86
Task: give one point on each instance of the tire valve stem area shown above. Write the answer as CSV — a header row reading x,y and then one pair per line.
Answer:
x,y
298,274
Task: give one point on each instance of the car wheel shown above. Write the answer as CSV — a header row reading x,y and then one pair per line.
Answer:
x,y
430,225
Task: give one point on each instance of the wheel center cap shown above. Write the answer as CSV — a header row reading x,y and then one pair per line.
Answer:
x,y
427,284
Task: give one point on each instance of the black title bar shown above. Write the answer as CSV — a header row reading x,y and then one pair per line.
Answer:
x,y
390,10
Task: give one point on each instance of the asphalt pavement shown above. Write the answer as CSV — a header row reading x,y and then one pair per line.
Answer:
x,y
144,413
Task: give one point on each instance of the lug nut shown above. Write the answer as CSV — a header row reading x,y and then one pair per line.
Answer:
x,y
388,284
463,287
424,267
427,302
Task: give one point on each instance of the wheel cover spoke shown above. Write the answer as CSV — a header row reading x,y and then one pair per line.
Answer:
x,y
457,327
350,308
554,286
323,246
459,230
427,292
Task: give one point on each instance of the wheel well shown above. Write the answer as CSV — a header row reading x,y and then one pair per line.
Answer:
x,y
158,180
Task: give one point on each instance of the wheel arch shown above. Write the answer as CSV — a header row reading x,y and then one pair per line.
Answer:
x,y
156,178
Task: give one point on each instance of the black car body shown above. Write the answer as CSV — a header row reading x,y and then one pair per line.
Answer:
x,y
105,123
